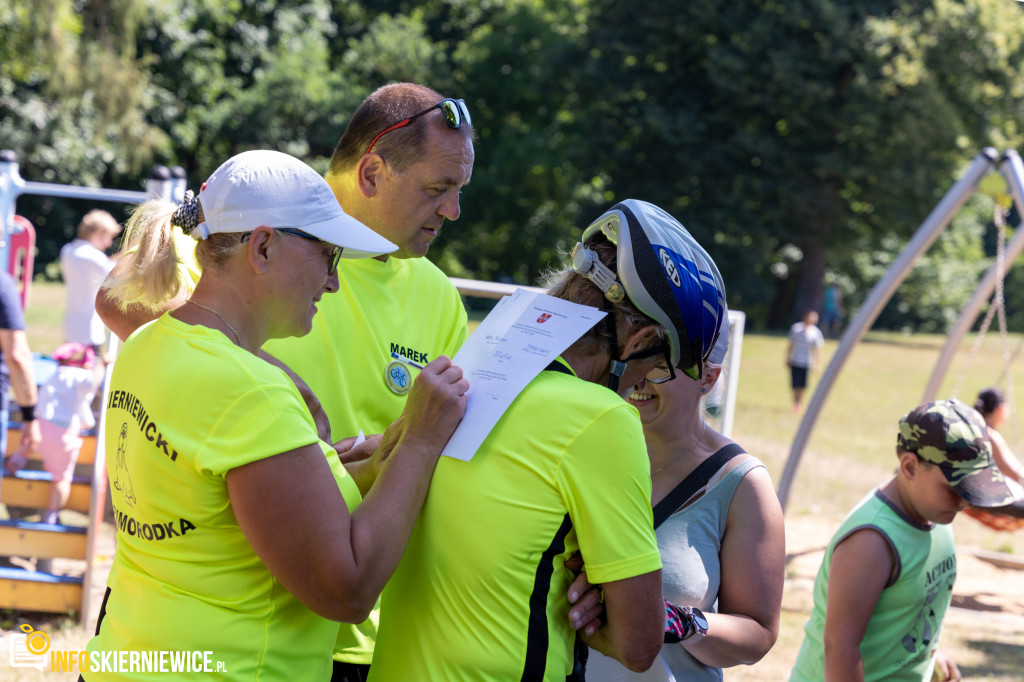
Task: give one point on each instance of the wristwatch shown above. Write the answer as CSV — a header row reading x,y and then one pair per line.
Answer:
x,y
697,623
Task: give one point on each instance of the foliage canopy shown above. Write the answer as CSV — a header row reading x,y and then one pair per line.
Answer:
x,y
801,141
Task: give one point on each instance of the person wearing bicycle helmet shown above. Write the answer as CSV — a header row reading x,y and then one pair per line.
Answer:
x,y
718,522
484,577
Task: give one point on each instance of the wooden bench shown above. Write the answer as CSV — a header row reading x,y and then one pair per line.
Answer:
x,y
34,591
42,540
29,489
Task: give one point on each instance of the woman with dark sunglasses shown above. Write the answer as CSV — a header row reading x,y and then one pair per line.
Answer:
x,y
239,531
721,534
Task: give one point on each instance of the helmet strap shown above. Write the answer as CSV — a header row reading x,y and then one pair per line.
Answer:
x,y
617,367
586,263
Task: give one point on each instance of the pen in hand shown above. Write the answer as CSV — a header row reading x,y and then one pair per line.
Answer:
x,y
402,358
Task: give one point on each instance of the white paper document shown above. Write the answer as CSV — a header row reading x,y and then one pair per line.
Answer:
x,y
519,338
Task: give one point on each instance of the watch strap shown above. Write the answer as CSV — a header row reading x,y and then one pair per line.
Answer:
x,y
681,624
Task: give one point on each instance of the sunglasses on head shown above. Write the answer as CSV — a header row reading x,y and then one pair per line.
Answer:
x,y
455,114
332,260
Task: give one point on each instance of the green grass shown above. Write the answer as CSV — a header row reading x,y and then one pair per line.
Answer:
x,y
851,450
852,446
44,315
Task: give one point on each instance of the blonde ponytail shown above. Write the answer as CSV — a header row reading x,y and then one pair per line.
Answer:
x,y
147,273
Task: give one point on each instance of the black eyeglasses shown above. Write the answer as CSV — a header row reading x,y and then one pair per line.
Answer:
x,y
455,114
332,257
661,374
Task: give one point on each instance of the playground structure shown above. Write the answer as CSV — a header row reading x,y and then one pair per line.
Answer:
x,y
28,489
40,591
1010,166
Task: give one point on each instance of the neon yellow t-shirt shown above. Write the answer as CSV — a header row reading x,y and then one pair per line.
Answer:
x,y
480,593
404,305
185,407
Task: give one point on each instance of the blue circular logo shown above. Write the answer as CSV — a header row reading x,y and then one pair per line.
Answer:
x,y
397,377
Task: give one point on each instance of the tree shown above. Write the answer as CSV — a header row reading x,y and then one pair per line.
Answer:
x,y
794,139
516,64
74,102
797,130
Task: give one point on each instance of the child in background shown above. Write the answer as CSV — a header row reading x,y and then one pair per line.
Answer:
x,y
64,412
887,576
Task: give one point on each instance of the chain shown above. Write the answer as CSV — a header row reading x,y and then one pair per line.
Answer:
x,y
238,341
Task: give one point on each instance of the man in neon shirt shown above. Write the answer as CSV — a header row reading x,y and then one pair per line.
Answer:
x,y
399,168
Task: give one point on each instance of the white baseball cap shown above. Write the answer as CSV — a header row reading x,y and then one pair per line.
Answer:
x,y
265,187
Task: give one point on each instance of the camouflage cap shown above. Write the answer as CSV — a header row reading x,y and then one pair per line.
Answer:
x,y
953,436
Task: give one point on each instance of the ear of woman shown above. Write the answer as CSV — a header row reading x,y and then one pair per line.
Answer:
x,y
261,243
712,372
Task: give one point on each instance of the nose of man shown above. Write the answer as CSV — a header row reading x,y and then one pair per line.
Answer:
x,y
450,207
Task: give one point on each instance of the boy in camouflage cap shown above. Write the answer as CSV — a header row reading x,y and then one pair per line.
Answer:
x,y
954,437
887,576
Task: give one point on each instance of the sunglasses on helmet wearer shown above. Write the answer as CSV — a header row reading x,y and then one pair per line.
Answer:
x,y
658,375
455,114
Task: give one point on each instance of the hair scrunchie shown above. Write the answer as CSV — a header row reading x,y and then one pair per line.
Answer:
x,y
186,216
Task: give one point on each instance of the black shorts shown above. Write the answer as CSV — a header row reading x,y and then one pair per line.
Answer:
x,y
798,376
350,672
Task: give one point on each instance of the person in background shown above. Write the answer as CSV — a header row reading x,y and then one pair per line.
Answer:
x,y
16,372
721,533
64,412
832,311
887,576
240,531
991,404
803,353
399,168
84,265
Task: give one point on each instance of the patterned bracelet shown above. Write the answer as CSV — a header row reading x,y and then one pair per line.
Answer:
x,y
678,623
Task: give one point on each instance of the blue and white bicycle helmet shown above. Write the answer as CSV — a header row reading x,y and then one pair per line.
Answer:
x,y
665,273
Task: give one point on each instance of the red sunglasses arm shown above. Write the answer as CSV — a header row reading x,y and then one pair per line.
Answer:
x,y
400,124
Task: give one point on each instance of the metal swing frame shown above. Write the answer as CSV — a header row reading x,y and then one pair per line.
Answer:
x,y
1012,169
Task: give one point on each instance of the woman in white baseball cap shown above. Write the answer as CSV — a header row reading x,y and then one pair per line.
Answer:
x,y
239,532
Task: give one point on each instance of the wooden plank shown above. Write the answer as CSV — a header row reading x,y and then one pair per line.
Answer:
x,y
42,540
39,592
85,456
19,492
91,591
